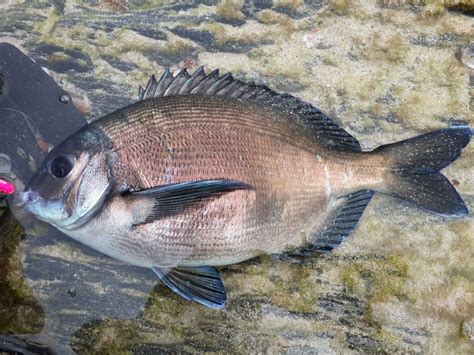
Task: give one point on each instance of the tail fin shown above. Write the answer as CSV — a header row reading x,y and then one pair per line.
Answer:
x,y
416,163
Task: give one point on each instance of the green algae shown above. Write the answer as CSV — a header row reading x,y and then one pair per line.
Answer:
x,y
225,34
390,49
19,311
168,320
177,48
447,78
439,7
106,337
270,17
285,25
48,25
378,280
293,5
145,5
340,7
230,9
295,290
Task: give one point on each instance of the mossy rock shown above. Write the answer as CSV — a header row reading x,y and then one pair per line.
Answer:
x,y
20,313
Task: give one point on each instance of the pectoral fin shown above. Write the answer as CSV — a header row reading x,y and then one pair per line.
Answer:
x,y
201,284
173,199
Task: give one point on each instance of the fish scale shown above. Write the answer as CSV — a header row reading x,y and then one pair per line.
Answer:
x,y
218,156
206,170
220,146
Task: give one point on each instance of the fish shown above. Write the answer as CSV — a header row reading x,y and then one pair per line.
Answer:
x,y
206,170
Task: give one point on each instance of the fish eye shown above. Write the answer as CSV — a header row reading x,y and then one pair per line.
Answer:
x,y
61,166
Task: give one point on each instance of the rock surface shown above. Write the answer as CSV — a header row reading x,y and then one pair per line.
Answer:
x,y
385,70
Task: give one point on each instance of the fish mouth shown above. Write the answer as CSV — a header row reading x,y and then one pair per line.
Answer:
x,y
45,211
29,196
31,201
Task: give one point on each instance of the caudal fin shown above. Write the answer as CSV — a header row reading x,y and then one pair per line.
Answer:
x,y
416,163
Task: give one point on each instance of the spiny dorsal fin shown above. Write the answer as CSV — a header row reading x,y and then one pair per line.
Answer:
x,y
179,80
182,83
340,226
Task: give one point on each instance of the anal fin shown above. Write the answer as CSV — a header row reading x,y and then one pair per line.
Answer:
x,y
339,226
201,284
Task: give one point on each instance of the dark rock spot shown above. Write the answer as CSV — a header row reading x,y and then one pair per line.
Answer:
x,y
119,64
41,5
72,292
204,38
262,4
455,121
150,33
363,343
62,60
433,40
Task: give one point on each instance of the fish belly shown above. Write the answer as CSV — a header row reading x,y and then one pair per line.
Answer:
x,y
278,214
228,230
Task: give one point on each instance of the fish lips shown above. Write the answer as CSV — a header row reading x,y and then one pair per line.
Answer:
x,y
47,211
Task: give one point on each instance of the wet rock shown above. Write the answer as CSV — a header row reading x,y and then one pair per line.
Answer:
x,y
72,292
204,38
467,330
19,310
434,40
230,11
385,71
12,345
466,55
150,33
292,8
217,38
119,64
61,60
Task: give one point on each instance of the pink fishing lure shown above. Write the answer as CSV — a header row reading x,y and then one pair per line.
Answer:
x,y
6,187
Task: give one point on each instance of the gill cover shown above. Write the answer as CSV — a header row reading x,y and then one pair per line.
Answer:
x,y
89,192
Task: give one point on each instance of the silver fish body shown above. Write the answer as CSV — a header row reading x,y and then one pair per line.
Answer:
x,y
207,177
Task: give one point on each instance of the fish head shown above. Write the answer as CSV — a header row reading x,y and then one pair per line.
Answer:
x,y
73,182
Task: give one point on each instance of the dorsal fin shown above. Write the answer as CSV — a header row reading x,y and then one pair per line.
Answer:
x,y
199,83
180,78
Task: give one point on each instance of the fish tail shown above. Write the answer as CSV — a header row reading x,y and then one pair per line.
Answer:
x,y
416,163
